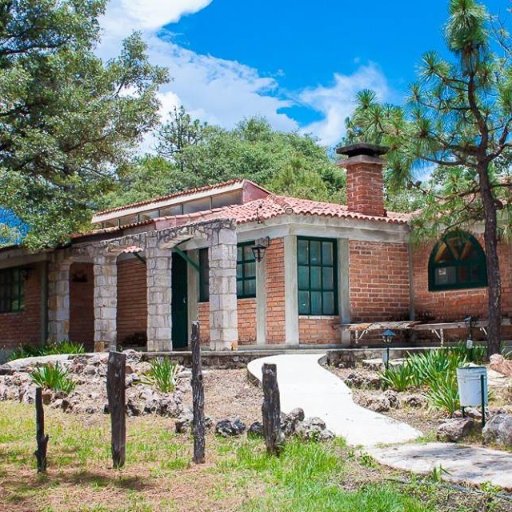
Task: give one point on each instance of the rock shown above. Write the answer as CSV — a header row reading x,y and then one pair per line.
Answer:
x,y
5,369
47,396
392,397
414,401
183,424
378,403
132,408
256,429
289,422
170,407
89,370
311,429
501,365
360,381
230,428
498,430
455,429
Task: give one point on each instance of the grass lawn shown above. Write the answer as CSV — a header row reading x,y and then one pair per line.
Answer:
x,y
238,475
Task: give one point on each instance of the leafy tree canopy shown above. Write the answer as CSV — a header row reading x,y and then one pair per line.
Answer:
x,y
192,154
67,118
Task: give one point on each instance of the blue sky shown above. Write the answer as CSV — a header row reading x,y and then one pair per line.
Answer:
x,y
299,64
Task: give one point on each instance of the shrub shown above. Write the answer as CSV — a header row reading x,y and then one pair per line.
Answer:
x,y
443,393
162,375
52,348
398,377
54,377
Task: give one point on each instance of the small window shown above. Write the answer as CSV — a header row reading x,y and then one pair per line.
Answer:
x,y
317,276
12,290
457,262
204,276
245,271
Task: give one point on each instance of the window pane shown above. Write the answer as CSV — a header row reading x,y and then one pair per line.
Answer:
x,y
250,269
239,288
303,303
316,278
240,253
328,305
248,255
445,275
239,270
316,303
303,252
328,278
303,278
315,248
327,253
250,287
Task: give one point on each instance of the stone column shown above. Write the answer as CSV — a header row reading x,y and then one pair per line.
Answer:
x,y
159,290
58,300
105,300
223,304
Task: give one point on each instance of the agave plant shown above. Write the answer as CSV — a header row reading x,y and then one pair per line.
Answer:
x,y
162,375
398,377
54,377
443,393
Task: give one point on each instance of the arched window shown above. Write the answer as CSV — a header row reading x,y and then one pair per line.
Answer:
x,y
457,262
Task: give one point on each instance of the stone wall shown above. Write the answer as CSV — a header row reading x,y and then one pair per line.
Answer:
x,y
81,289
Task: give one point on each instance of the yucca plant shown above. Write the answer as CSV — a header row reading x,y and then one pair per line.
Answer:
x,y
398,377
162,375
63,347
54,377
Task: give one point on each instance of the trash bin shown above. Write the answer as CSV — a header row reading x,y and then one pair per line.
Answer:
x,y
472,381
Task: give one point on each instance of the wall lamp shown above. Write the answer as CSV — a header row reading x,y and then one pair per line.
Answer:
x,y
259,249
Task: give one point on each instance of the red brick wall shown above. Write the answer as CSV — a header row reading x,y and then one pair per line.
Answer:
x,y
23,328
274,258
204,321
318,330
379,281
81,290
447,306
132,310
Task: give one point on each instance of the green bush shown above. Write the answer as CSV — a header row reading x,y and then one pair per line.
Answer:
x,y
54,377
162,375
52,348
398,377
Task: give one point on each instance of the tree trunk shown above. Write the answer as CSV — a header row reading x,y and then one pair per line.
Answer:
x,y
41,437
493,264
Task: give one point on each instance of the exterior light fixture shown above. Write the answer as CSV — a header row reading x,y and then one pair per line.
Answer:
x,y
387,338
259,249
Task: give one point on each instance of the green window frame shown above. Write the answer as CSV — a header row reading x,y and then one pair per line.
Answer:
x,y
204,275
317,274
457,262
245,271
12,290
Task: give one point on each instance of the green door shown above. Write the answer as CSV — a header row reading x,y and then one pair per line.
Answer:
x,y
179,303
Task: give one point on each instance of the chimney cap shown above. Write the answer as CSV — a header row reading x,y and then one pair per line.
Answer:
x,y
362,148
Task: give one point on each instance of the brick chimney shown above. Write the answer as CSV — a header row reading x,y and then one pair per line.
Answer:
x,y
365,182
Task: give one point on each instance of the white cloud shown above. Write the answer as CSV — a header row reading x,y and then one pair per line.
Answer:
x,y
223,92
337,102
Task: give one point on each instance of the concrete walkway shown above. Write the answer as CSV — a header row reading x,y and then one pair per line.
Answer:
x,y
461,464
304,383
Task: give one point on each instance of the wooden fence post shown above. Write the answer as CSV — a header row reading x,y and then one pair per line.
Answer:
x,y
271,410
116,404
197,396
41,438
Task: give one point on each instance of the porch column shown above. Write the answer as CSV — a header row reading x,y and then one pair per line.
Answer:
x,y
58,300
261,301
223,306
159,290
344,288
291,294
105,300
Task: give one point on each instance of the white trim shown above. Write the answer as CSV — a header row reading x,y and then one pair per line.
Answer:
x,y
291,297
